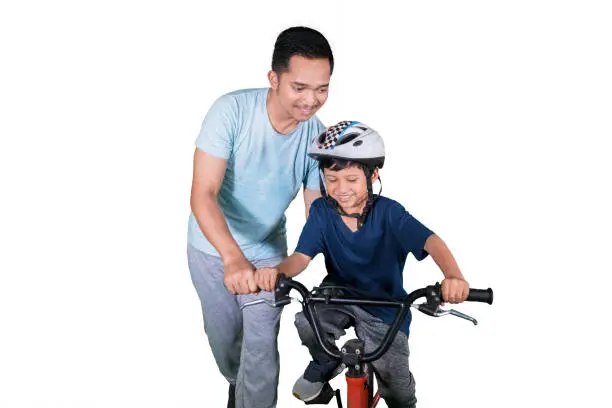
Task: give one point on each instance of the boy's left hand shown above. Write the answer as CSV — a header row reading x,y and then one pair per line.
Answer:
x,y
265,278
455,290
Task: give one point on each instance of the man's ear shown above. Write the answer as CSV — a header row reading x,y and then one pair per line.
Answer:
x,y
274,79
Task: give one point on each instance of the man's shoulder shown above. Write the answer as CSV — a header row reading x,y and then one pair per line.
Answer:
x,y
231,103
246,92
239,106
244,96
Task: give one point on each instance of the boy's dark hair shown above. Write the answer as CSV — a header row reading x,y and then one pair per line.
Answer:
x,y
336,164
302,41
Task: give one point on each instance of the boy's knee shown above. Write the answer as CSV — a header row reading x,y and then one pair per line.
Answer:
x,y
301,323
303,327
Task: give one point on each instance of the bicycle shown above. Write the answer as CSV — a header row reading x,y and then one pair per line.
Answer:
x,y
360,387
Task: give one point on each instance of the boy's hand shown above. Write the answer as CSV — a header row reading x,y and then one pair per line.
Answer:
x,y
265,278
455,290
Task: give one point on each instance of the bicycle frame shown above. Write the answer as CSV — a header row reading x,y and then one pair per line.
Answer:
x,y
359,391
359,377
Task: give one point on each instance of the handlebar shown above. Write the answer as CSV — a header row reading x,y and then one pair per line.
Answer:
x,y
433,294
480,295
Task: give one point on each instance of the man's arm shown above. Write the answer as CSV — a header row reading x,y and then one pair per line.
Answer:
x,y
455,289
208,173
309,196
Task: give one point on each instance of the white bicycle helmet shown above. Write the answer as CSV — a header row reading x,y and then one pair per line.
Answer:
x,y
349,140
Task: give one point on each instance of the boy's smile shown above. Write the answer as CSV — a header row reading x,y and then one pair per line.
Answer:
x,y
348,187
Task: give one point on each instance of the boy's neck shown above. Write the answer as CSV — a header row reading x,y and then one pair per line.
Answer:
x,y
350,222
358,209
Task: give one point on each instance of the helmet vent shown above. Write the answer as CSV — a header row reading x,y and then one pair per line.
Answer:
x,y
347,138
322,137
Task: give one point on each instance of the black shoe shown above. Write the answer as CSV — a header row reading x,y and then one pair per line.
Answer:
x,y
231,397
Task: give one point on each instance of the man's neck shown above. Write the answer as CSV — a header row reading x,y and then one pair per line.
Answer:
x,y
280,121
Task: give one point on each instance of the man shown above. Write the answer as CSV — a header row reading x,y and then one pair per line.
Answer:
x,y
250,162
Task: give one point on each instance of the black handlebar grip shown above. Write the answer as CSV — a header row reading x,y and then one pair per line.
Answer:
x,y
281,289
481,295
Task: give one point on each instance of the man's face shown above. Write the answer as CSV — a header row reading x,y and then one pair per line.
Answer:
x,y
348,187
302,90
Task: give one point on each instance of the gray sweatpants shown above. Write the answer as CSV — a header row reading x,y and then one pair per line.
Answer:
x,y
243,342
395,381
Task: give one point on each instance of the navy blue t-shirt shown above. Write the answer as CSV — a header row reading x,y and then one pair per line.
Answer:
x,y
370,259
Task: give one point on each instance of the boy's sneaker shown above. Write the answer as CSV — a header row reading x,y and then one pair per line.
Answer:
x,y
306,390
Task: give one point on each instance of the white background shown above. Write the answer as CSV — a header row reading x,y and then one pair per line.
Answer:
x,y
497,120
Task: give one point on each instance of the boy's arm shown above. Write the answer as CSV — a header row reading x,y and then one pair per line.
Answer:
x,y
454,287
309,245
293,265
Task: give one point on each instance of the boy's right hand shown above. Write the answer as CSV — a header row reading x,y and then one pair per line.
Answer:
x,y
265,278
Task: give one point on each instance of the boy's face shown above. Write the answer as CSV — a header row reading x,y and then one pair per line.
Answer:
x,y
302,90
348,187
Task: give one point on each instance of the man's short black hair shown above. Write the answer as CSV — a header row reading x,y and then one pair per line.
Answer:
x,y
302,41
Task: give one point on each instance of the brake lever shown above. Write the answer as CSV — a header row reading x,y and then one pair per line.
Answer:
x,y
458,314
438,312
277,303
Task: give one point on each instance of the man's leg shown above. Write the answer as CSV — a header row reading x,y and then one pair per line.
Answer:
x,y
257,382
222,315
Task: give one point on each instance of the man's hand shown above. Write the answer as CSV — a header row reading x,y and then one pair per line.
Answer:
x,y
239,277
455,290
265,278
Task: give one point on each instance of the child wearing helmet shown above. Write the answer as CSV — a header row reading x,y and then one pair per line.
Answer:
x,y
365,239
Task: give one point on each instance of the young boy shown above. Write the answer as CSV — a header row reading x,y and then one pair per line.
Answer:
x,y
365,239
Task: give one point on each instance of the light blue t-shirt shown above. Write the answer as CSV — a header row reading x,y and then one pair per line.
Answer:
x,y
265,171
